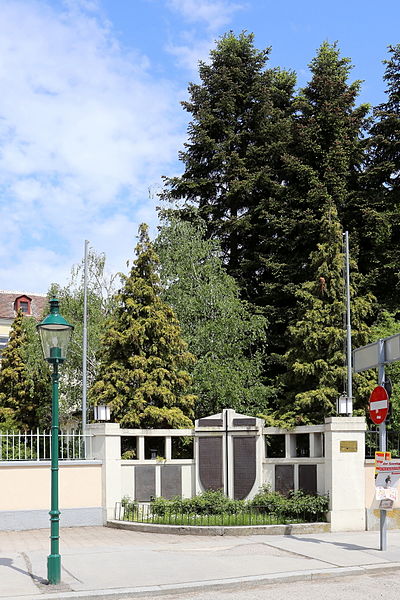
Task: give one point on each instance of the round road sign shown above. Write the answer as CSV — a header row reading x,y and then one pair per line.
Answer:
x,y
378,404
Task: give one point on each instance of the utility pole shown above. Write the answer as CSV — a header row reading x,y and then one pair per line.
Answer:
x,y
84,344
348,326
382,442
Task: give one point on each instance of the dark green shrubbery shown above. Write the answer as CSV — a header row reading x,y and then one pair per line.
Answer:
x,y
297,505
210,502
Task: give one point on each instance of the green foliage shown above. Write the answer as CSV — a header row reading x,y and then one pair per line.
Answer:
x,y
128,504
388,324
268,501
297,506
100,289
375,214
142,374
225,333
261,168
210,502
239,132
316,359
25,392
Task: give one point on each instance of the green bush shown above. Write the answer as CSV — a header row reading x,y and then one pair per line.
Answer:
x,y
128,504
267,501
210,502
298,506
309,505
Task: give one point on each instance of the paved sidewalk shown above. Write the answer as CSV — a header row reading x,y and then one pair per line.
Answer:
x,y
108,563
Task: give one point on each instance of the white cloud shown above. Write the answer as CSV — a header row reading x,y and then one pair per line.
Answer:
x,y
194,44
84,131
214,13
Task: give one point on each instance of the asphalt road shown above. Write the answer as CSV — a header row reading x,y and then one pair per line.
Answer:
x,y
363,587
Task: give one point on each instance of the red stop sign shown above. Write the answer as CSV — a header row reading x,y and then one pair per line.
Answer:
x,y
378,405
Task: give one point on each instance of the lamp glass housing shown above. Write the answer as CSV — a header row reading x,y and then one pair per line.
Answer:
x,y
55,340
344,405
102,412
55,334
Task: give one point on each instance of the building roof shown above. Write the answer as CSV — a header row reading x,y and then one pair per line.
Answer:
x,y
7,304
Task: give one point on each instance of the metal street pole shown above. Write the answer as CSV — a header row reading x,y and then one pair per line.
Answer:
x,y
382,442
348,326
54,559
84,347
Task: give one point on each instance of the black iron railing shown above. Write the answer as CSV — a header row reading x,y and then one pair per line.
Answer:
x,y
144,513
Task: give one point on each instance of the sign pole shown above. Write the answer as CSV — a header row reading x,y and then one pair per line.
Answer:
x,y
382,444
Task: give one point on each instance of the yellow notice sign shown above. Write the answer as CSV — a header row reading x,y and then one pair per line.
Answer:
x,y
380,457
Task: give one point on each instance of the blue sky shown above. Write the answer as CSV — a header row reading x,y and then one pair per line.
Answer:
x,y
90,116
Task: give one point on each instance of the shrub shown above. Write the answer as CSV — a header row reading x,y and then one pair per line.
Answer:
x,y
210,502
297,506
128,504
309,505
267,501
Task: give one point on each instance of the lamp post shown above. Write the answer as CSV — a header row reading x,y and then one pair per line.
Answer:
x,y
55,333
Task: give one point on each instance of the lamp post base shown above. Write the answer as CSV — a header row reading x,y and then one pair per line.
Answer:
x,y
54,568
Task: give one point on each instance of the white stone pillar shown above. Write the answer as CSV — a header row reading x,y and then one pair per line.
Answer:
x,y
106,446
344,472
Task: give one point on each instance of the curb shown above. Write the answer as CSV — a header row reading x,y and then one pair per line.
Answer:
x,y
216,584
238,530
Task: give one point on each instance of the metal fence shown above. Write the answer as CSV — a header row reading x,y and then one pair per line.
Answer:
x,y
36,445
372,442
254,515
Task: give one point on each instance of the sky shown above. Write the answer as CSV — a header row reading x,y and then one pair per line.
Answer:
x,y
90,114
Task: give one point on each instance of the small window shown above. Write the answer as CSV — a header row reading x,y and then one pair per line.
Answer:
x,y
302,445
275,446
24,306
181,447
154,447
23,303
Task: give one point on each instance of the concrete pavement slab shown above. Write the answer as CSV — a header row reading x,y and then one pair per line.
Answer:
x,y
109,563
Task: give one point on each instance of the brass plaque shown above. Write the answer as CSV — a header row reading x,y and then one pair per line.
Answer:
x,y
350,446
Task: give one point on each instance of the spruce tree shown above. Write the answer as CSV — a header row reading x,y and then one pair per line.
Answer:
x,y
322,164
375,218
316,356
239,131
326,155
142,373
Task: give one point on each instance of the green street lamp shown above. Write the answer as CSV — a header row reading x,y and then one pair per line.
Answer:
x,y
55,333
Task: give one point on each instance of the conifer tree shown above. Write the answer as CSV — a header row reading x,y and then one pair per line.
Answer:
x,y
24,377
375,218
142,373
239,131
322,165
316,356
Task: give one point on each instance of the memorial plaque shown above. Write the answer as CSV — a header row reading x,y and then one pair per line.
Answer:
x,y
210,462
284,479
308,478
210,423
244,465
171,481
145,482
244,422
348,446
